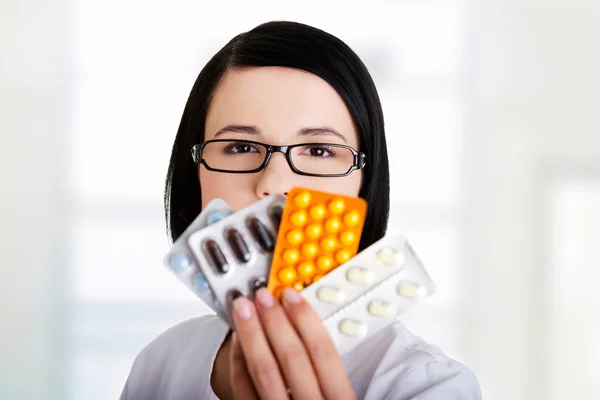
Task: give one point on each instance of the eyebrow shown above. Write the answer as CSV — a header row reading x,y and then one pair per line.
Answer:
x,y
253,130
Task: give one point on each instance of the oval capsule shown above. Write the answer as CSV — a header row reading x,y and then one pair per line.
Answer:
x,y
262,234
238,244
352,327
330,294
259,283
216,256
276,214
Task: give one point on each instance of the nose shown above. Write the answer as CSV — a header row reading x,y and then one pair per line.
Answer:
x,y
276,178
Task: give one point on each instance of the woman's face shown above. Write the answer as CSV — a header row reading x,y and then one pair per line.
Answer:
x,y
276,106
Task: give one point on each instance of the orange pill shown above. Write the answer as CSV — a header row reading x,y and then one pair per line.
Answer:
x,y
347,238
295,237
299,218
309,250
332,225
306,269
352,218
318,212
313,231
299,286
291,256
325,263
287,275
337,206
278,292
343,256
302,199
329,243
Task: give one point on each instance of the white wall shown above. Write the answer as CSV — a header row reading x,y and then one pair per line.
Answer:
x,y
535,97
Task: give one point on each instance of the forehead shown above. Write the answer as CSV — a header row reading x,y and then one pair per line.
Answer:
x,y
279,101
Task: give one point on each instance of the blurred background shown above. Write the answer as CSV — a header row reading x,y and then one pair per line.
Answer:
x,y
493,125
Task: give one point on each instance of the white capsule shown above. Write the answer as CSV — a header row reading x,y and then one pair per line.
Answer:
x,y
352,327
410,290
360,275
330,294
380,308
390,256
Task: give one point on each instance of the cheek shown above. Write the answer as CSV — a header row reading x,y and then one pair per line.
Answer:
x,y
346,186
236,189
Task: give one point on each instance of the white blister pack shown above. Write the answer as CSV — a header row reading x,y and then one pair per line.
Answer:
x,y
235,253
181,261
370,291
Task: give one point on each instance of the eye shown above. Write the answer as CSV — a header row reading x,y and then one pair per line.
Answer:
x,y
318,151
240,148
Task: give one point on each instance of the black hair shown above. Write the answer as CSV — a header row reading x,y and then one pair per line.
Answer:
x,y
293,45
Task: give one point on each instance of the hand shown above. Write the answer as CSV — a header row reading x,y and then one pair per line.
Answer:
x,y
284,345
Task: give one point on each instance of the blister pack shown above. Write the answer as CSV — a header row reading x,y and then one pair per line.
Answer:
x,y
181,261
318,232
370,291
235,253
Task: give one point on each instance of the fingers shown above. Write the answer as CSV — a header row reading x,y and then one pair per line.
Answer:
x,y
260,361
242,385
326,360
289,350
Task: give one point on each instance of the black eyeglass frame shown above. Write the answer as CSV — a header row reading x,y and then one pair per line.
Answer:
x,y
360,160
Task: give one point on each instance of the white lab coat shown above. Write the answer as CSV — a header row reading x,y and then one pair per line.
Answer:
x,y
392,364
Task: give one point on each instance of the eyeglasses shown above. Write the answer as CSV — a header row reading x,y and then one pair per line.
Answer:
x,y
247,156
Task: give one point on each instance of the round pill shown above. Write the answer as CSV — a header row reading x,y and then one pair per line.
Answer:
x,y
287,275
302,199
317,212
348,238
215,216
380,308
329,243
299,218
291,256
352,327
390,256
305,269
332,225
199,281
343,256
330,294
298,286
409,290
310,250
278,292
316,277
361,275
178,262
337,206
325,263
352,218
295,237
313,231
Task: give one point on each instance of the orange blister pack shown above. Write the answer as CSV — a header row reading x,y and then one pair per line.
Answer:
x,y
318,232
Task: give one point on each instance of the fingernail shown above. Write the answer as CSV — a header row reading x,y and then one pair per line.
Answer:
x,y
265,297
291,296
241,306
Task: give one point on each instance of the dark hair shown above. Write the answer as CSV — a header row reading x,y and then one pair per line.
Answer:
x,y
293,45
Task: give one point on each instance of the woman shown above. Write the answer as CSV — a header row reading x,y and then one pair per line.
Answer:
x,y
283,84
